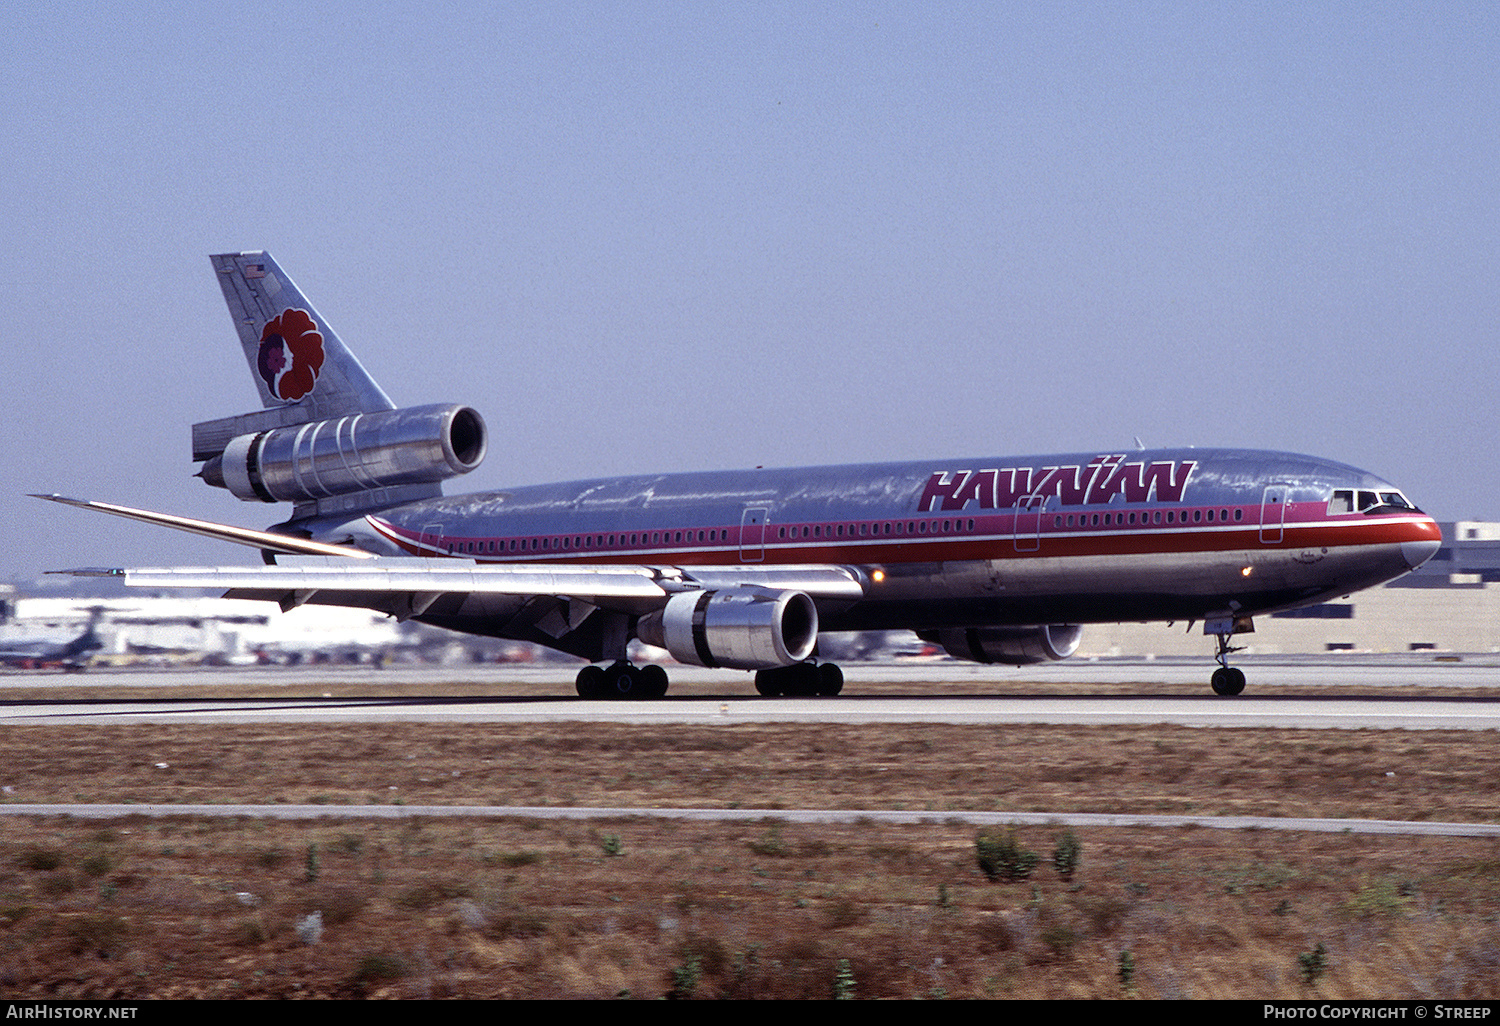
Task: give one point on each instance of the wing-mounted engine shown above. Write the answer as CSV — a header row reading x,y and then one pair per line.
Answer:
x,y
1014,646
409,449
740,628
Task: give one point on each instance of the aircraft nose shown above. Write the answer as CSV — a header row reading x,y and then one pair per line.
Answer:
x,y
1419,550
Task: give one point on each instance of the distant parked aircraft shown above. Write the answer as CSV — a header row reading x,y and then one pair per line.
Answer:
x,y
69,655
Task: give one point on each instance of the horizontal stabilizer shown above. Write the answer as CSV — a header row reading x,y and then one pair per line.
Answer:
x,y
265,540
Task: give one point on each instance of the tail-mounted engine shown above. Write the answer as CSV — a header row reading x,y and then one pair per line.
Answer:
x,y
741,628
300,463
1014,646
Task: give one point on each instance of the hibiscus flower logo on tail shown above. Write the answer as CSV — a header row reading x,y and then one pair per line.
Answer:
x,y
291,354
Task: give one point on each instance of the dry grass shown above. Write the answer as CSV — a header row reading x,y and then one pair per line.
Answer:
x,y
1422,775
516,908
445,908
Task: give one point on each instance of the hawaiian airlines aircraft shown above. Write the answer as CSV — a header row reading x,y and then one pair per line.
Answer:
x,y
996,559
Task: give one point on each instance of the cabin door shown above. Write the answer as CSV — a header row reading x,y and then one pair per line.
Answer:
x,y
1273,514
1028,524
753,534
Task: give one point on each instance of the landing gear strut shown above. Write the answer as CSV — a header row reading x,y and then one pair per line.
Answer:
x,y
622,680
1227,680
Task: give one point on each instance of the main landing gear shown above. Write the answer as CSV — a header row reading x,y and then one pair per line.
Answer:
x,y
1227,680
622,680
824,679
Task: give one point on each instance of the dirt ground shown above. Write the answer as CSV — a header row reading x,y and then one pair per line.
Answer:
x,y
200,907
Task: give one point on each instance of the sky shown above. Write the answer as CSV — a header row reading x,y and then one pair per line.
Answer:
x,y
644,237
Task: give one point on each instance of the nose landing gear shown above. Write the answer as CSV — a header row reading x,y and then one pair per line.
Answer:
x,y
1227,680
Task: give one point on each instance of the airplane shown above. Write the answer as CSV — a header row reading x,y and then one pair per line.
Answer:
x,y
994,559
72,655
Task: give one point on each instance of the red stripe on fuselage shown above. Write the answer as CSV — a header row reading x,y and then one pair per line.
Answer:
x,y
987,541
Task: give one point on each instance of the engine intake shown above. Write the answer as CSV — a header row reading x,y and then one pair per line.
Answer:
x,y
740,628
1014,646
420,445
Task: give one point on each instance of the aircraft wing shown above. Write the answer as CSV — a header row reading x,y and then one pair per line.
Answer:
x,y
413,584
551,603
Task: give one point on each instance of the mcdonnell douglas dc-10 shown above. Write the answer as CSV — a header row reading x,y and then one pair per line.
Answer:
x,y
996,559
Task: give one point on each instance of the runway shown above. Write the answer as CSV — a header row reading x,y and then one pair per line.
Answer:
x,y
874,694
1266,673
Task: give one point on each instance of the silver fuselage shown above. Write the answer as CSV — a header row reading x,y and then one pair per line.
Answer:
x,y
1074,538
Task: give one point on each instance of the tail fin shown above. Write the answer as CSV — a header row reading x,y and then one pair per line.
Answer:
x,y
328,439
293,354
303,371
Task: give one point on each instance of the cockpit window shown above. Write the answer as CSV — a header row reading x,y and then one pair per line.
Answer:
x,y
1348,500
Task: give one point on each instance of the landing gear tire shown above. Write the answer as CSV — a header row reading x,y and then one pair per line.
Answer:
x,y
1228,680
590,682
621,680
653,681
801,680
